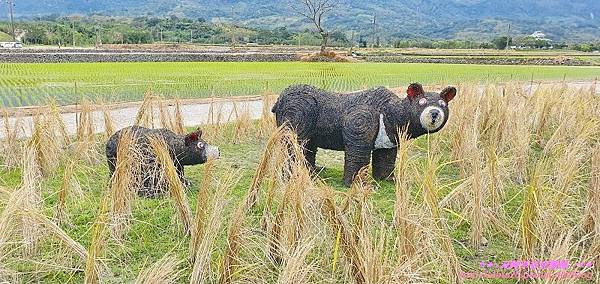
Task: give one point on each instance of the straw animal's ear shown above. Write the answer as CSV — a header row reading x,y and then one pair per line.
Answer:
x,y
414,90
448,94
193,137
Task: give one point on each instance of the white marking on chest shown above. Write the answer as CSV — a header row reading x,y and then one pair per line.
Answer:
x,y
383,140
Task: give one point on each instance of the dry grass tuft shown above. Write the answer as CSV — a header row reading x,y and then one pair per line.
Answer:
x,y
55,230
234,244
439,223
69,184
201,206
267,123
45,143
145,115
109,128
11,145
530,214
57,121
243,124
164,271
178,124
123,184
592,210
403,209
86,147
295,269
261,170
176,188
204,247
93,270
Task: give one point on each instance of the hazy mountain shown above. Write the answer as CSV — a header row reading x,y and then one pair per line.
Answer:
x,y
468,19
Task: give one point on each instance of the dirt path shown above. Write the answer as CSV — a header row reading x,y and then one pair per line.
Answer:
x,y
195,112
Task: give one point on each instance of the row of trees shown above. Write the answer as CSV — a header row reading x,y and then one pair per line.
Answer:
x,y
106,30
109,30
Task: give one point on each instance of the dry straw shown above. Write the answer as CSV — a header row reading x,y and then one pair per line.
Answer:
x,y
178,124
295,268
403,208
176,188
234,245
164,271
11,145
439,223
43,140
69,184
261,170
123,184
86,147
204,247
592,211
201,206
92,270
109,127
145,115
267,120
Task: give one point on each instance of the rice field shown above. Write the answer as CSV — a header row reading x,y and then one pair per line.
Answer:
x,y
72,83
513,177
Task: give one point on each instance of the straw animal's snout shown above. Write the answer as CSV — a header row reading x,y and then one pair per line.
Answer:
x,y
212,152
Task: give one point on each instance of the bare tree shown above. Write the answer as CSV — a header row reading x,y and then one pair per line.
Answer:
x,y
315,11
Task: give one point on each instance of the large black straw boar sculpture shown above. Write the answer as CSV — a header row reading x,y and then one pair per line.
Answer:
x,y
363,124
184,150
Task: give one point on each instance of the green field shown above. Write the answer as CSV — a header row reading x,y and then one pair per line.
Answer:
x,y
5,37
34,84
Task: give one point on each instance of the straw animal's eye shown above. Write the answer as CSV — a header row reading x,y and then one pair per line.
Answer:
x,y
422,101
442,103
200,145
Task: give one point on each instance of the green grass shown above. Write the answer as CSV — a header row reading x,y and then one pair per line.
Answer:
x,y
68,83
153,233
5,37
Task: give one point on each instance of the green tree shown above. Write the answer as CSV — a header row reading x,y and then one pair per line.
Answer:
x,y
501,42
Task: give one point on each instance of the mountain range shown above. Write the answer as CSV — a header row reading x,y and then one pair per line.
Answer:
x,y
560,20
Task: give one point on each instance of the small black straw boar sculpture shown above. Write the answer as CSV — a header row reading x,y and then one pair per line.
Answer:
x,y
184,150
362,124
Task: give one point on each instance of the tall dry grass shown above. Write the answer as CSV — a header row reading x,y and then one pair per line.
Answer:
x,y
201,269
86,147
93,267
123,184
69,185
403,207
200,218
174,183
145,115
11,145
109,127
163,271
45,143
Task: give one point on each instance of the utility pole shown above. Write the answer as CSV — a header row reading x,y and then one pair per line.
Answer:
x,y
191,35
12,21
351,43
374,30
98,42
507,37
73,30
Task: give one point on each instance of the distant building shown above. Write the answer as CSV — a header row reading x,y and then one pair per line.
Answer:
x,y
539,35
10,44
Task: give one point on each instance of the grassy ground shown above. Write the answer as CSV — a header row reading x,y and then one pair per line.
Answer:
x,y
154,231
5,37
33,84
510,177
